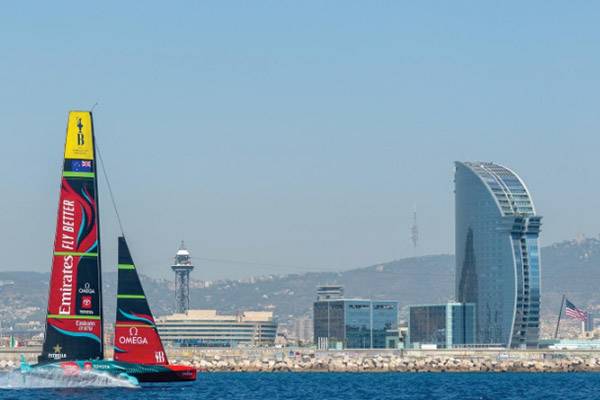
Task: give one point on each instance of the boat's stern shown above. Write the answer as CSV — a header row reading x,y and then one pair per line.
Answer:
x,y
184,373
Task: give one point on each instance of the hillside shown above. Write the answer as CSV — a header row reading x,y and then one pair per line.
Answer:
x,y
411,280
571,267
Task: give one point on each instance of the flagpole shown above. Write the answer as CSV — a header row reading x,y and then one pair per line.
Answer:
x,y
562,305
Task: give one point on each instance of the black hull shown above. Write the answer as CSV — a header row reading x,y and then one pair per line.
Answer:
x,y
167,376
160,373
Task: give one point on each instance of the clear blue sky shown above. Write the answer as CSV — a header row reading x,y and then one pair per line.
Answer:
x,y
299,134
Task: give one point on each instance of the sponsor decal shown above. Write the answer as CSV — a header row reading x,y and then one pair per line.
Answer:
x,y
86,289
70,368
159,356
85,325
86,302
67,219
58,354
66,290
67,225
133,338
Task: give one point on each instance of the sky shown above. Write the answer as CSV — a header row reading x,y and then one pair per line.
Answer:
x,y
284,137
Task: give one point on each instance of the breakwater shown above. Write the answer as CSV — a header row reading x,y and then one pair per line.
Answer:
x,y
347,362
309,360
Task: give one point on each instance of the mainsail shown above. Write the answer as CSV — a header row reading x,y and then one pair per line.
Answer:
x,y
74,318
136,336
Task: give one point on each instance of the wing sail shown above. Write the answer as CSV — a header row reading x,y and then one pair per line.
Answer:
x,y
74,315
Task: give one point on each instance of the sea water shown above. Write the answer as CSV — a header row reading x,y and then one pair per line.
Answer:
x,y
346,386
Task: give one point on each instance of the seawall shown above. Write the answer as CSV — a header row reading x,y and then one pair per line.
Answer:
x,y
309,360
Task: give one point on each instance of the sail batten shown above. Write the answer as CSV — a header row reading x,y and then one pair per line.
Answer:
x,y
74,316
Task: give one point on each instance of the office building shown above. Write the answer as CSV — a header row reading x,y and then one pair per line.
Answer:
x,y
353,323
327,292
497,254
442,326
206,328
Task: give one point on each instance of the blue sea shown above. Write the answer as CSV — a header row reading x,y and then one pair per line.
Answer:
x,y
324,386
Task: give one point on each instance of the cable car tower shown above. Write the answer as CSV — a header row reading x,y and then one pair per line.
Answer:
x,y
182,268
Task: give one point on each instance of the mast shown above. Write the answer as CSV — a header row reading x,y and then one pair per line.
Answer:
x,y
74,315
100,299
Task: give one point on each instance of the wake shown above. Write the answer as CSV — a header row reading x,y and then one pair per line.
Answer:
x,y
57,379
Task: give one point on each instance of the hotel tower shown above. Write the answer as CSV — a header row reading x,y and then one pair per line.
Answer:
x,y
497,254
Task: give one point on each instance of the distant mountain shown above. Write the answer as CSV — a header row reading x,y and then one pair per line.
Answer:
x,y
571,267
23,295
410,280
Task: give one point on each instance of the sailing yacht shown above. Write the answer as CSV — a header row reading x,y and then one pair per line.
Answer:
x,y
74,335
137,341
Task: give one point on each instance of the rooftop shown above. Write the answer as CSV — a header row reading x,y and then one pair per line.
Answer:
x,y
510,191
212,315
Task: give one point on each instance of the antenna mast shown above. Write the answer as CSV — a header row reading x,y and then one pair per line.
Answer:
x,y
414,232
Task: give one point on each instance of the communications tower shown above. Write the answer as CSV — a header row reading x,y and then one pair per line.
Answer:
x,y
182,267
414,232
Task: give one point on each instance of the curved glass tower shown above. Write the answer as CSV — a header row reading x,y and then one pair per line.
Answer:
x,y
497,253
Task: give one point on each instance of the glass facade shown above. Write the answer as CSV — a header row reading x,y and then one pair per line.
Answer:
x,y
358,324
427,325
354,324
497,253
444,325
329,323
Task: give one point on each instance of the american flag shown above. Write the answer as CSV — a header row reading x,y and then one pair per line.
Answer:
x,y
574,312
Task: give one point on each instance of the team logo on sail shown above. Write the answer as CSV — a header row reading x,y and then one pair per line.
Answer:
x,y
80,137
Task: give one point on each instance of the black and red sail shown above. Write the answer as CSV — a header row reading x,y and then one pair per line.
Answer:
x,y
74,315
136,337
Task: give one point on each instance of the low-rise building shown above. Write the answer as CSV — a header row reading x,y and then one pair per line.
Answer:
x,y
353,323
447,326
207,328
302,330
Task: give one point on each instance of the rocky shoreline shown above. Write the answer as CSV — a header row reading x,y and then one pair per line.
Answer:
x,y
273,360
392,363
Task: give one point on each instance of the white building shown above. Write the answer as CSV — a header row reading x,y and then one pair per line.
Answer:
x,y
207,328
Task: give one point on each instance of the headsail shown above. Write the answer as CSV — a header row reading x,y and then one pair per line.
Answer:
x,y
74,319
136,336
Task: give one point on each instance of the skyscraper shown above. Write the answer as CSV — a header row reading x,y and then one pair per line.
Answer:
x,y
497,253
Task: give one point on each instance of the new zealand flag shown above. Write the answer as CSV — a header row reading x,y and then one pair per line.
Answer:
x,y
81,166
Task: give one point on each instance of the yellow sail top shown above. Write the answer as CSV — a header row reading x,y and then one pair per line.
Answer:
x,y
79,144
